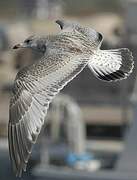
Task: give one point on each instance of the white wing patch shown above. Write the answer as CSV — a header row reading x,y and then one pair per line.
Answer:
x,y
112,65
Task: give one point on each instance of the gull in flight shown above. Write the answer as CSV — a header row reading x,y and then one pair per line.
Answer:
x,y
65,55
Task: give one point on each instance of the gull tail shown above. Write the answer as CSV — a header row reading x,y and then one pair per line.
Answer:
x,y
112,65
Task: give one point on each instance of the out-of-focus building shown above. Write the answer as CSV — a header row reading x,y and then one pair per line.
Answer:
x,y
48,9
41,9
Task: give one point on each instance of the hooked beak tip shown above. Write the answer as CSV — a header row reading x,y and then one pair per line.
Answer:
x,y
16,46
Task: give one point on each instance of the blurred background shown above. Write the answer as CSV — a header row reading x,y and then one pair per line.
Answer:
x,y
91,126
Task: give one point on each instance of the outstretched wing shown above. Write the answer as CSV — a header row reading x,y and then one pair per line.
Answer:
x,y
33,91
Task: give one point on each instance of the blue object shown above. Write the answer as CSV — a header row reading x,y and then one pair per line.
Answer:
x,y
72,158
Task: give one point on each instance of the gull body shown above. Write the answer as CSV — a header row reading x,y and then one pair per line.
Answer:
x,y
64,56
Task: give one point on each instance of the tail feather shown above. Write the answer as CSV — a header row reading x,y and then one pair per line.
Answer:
x,y
112,65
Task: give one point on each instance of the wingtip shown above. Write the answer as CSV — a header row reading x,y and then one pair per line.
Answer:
x,y
20,170
60,23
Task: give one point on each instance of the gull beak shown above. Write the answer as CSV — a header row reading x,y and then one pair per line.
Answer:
x,y
21,45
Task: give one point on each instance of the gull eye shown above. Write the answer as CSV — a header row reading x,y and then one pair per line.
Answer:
x,y
27,40
41,47
44,48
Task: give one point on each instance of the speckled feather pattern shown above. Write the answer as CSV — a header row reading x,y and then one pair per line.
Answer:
x,y
36,85
34,88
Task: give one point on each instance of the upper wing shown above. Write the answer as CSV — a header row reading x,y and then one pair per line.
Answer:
x,y
31,96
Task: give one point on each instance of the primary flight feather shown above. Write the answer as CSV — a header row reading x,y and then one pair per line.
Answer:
x,y
64,56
